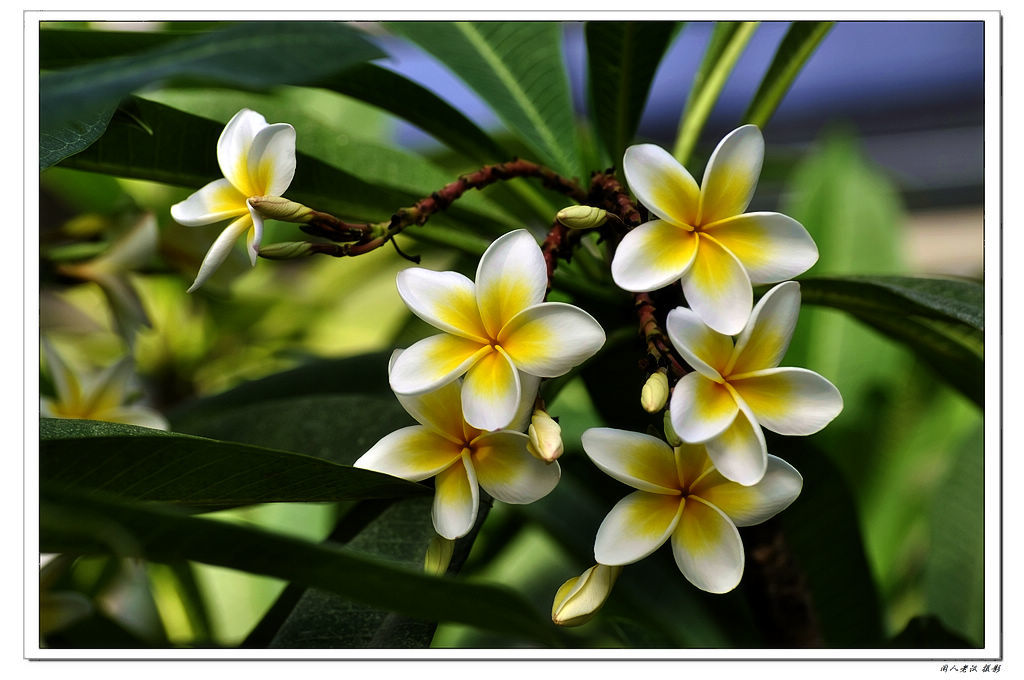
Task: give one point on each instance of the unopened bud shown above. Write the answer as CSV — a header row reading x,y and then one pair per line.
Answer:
x,y
439,555
286,250
581,597
582,216
654,394
545,437
278,208
670,432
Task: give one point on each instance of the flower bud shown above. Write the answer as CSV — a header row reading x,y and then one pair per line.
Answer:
x,y
582,216
581,597
670,432
545,437
286,250
654,394
439,555
277,208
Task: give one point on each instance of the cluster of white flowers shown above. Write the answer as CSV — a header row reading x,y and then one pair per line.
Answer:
x,y
472,387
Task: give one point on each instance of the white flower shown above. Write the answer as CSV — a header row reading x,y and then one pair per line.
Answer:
x,y
737,388
682,497
462,457
581,597
702,235
257,159
100,396
494,331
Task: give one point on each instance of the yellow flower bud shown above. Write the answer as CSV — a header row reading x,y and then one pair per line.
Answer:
x,y
654,394
582,216
286,250
439,555
277,208
581,597
545,437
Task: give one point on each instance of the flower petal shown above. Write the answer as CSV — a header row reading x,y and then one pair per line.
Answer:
x,y
706,350
550,338
662,184
216,201
739,452
414,453
652,256
491,391
445,300
438,410
749,505
255,235
70,393
718,288
765,339
707,547
529,385
732,173
143,416
789,400
771,246
511,276
639,460
456,499
700,408
638,525
691,462
434,361
220,250
234,145
271,160
508,472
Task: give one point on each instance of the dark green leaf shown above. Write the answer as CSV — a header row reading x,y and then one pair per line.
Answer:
x,y
143,464
77,523
244,55
927,632
822,528
65,48
796,48
416,104
955,567
622,58
944,299
517,68
57,142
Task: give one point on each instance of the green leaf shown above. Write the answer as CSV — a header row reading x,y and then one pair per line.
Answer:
x,y
952,300
517,68
822,528
243,55
57,142
61,48
414,103
728,40
143,464
77,523
955,567
796,48
942,321
927,632
622,58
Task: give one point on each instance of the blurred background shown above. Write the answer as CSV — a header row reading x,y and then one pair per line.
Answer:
x,y
877,149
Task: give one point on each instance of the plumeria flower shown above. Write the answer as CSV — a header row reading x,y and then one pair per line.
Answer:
x,y
682,496
257,159
738,387
462,457
95,397
702,235
495,331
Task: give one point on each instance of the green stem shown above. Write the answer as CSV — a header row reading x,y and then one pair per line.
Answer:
x,y
702,99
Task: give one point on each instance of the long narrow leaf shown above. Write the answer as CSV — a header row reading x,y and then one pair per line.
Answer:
x,y
728,41
622,58
799,43
517,68
77,523
142,464
244,55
